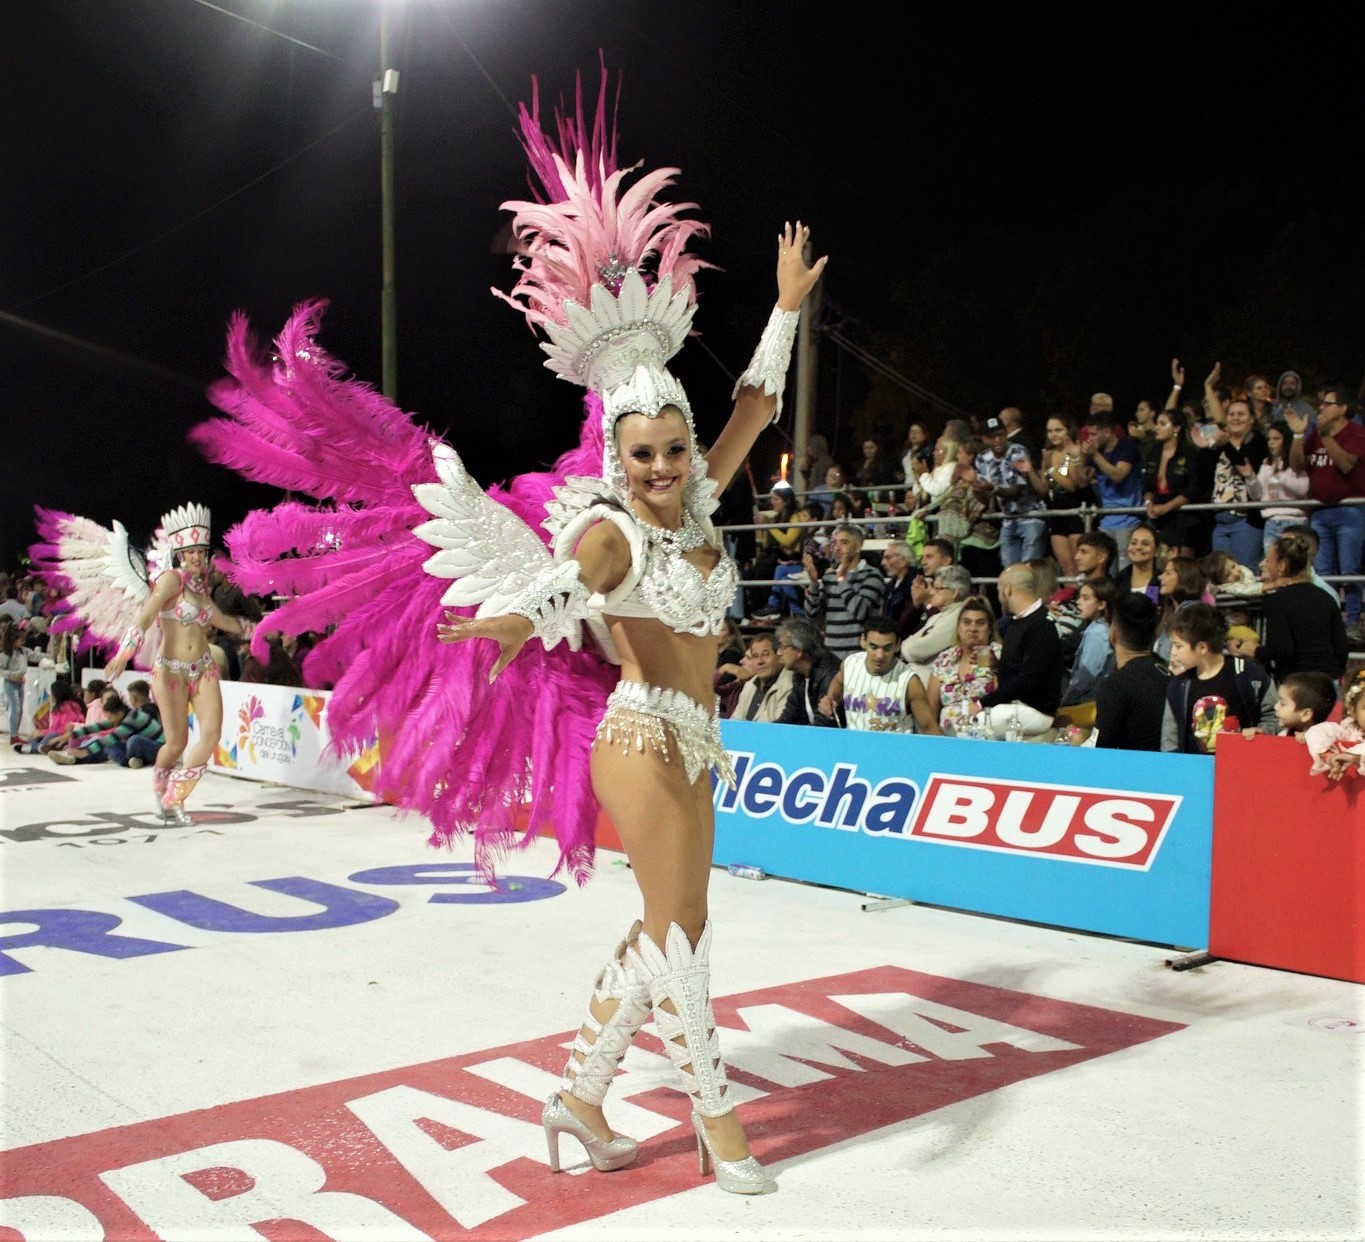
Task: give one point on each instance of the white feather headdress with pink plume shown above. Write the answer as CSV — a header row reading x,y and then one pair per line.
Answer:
x,y
185,527
604,272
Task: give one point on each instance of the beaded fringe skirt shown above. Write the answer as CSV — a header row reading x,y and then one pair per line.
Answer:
x,y
639,715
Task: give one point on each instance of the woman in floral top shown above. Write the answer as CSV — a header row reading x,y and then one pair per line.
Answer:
x,y
964,672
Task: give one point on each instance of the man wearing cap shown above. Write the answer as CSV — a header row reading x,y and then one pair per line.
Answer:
x,y
1006,467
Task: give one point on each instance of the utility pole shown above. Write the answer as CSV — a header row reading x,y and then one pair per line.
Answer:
x,y
385,91
805,387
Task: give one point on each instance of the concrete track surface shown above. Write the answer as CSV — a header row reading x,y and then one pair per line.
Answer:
x,y
294,1020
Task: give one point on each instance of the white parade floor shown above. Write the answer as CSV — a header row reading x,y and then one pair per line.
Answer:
x,y
246,1029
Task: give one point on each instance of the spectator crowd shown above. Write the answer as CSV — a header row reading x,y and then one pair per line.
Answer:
x,y
1149,582
1144,583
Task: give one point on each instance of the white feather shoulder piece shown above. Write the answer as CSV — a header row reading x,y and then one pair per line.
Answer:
x,y
487,550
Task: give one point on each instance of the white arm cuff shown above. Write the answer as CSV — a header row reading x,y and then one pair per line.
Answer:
x,y
767,369
555,602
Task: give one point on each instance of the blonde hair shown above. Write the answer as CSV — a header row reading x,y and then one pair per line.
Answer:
x,y
1354,697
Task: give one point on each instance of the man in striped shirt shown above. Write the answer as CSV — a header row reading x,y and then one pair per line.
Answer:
x,y
847,594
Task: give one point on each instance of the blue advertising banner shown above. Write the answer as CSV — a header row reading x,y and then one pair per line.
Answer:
x,y
1118,842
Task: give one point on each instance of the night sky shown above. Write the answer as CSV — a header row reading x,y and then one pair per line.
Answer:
x,y
1019,209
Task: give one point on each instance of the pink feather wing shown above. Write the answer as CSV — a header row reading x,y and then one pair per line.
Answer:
x,y
466,755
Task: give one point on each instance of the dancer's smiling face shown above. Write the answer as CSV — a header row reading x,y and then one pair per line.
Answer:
x,y
657,457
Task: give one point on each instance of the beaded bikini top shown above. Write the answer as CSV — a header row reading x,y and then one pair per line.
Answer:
x,y
662,583
186,611
672,589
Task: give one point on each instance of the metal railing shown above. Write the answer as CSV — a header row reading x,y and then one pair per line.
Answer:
x,y
1087,513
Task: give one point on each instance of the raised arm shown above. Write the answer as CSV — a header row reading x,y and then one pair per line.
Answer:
x,y
1177,384
759,391
1211,397
1298,428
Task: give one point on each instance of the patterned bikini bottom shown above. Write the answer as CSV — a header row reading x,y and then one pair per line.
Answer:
x,y
193,671
638,714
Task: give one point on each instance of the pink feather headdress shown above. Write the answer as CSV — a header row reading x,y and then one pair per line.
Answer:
x,y
603,268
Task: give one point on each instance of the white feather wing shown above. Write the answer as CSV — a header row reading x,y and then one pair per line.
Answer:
x,y
485,548
108,577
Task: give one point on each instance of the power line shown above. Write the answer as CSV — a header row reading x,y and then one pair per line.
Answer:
x,y
151,369
468,51
888,372
279,34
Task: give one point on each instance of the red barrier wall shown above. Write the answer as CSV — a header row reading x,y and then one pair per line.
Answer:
x,y
1288,861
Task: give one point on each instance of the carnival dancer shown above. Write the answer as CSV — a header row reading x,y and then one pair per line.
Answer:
x,y
634,567
636,550
157,608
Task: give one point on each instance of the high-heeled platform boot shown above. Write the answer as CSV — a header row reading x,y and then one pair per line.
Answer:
x,y
178,787
680,986
160,779
596,1052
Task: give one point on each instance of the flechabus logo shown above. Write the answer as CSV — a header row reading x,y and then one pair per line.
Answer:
x,y
838,799
1106,827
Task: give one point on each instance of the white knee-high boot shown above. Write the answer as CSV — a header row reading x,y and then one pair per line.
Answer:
x,y
679,978
597,1050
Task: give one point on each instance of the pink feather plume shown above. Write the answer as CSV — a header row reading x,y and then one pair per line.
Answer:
x,y
466,755
583,213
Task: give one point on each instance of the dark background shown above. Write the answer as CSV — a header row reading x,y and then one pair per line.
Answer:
x,y
1021,208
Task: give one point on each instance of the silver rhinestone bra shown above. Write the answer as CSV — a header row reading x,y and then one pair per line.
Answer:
x,y
662,585
680,595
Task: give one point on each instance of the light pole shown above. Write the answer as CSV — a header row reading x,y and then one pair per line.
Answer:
x,y
386,90
805,387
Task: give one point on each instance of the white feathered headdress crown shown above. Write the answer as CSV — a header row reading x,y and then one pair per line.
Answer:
x,y
186,526
603,269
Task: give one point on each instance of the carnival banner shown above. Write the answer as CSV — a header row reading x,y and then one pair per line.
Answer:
x,y
279,734
37,701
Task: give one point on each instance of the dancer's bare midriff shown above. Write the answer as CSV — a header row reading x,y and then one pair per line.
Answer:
x,y
658,656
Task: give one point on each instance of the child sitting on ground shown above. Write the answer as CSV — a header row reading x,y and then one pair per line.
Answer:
x,y
94,700
1304,700
67,710
1338,746
88,743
